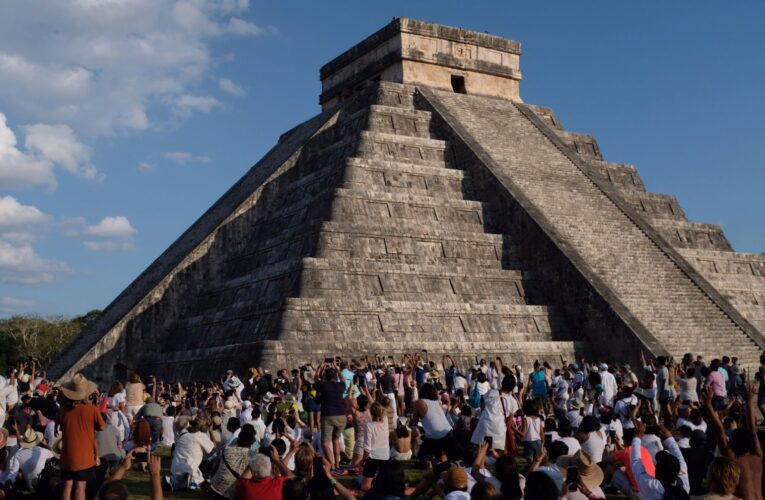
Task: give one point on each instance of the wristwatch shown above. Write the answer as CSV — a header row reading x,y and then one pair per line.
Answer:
x,y
333,481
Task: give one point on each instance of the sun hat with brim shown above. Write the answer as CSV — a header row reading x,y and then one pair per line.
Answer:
x,y
57,446
434,374
30,439
3,437
590,473
456,478
78,388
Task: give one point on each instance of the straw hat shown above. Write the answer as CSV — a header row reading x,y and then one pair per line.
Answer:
x,y
78,388
30,439
3,437
456,478
434,374
57,446
590,473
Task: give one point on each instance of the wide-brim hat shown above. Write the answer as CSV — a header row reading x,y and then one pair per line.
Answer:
x,y
590,473
289,398
3,437
57,446
434,374
576,404
30,439
267,397
78,388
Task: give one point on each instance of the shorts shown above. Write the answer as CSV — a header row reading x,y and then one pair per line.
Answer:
x,y
437,447
332,427
718,403
79,475
371,466
532,449
312,406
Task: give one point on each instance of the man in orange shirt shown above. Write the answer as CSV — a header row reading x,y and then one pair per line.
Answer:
x,y
79,422
623,457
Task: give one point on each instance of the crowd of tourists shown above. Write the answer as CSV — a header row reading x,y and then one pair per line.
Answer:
x,y
351,428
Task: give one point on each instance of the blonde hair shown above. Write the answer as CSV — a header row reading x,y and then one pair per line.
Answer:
x,y
377,411
723,475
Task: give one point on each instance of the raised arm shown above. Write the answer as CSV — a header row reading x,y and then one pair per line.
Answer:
x,y
713,420
751,419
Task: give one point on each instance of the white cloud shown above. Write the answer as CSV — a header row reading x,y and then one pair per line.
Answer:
x,y
59,144
146,166
101,66
241,27
230,87
13,213
12,305
20,264
19,169
187,103
118,226
184,157
109,246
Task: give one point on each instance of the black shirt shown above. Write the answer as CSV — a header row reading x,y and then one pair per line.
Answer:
x,y
332,401
387,384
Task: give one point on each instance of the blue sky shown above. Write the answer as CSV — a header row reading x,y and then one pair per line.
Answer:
x,y
123,121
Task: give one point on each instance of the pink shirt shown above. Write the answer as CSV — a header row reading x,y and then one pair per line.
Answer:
x,y
715,381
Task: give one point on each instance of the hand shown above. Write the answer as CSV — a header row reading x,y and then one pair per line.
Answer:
x,y
155,465
541,457
708,394
274,453
750,393
127,462
639,428
664,433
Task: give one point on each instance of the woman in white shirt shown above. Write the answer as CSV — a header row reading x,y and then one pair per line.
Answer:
x,y
376,448
532,428
498,407
592,438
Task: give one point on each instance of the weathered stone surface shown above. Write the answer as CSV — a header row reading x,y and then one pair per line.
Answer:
x,y
409,218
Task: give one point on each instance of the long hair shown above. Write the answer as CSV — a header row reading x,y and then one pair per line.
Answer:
x,y
142,433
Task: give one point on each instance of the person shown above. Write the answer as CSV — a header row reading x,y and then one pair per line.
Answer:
x,y
233,461
714,381
115,488
744,447
436,428
532,429
191,445
360,411
723,477
389,484
538,382
109,443
134,395
79,422
540,486
625,480
332,420
698,458
610,387
456,484
151,412
671,480
589,476
550,467
592,438
498,407
168,419
376,447
322,485
257,481
29,460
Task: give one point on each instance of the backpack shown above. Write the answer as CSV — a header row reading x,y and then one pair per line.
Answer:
x,y
474,399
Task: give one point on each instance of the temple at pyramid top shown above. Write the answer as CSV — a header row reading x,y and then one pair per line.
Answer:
x,y
420,53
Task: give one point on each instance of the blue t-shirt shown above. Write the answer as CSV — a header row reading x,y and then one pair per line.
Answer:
x,y
348,379
538,385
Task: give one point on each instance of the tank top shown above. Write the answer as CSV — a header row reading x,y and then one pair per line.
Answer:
x,y
534,426
594,446
434,422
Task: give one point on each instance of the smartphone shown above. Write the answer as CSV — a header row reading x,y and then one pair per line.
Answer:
x,y
140,457
329,360
612,434
318,465
489,440
572,475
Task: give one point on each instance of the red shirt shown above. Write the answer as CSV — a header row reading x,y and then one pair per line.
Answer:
x,y
260,489
623,456
78,431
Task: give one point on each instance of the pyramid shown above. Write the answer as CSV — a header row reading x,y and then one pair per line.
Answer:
x,y
427,207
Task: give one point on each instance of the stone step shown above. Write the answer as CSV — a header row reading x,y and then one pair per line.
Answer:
x,y
685,234
362,279
394,176
429,152
397,121
358,204
653,205
582,144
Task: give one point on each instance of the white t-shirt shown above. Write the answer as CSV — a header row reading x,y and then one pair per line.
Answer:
x,y
168,436
571,442
190,448
30,461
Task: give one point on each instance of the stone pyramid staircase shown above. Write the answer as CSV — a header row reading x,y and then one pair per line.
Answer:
x,y
623,239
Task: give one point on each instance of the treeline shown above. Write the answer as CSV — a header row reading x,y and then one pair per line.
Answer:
x,y
28,336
